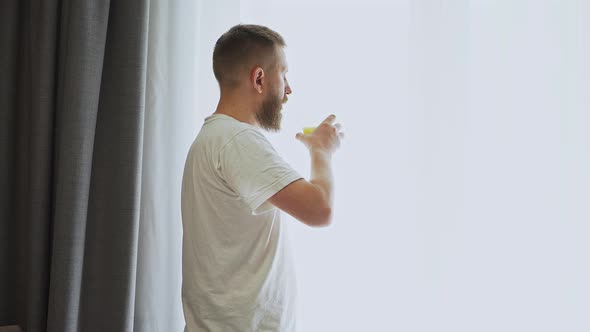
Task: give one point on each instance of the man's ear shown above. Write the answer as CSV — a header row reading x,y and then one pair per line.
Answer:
x,y
258,79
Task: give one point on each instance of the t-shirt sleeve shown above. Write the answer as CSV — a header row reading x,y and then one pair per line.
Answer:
x,y
254,170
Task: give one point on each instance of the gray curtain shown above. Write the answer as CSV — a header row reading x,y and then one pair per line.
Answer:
x,y
72,92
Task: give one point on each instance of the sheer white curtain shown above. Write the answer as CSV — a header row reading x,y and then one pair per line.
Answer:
x,y
168,128
463,181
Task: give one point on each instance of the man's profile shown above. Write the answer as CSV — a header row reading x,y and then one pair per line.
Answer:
x,y
237,268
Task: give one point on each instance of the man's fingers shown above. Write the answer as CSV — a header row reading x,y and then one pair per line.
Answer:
x,y
300,136
329,119
338,126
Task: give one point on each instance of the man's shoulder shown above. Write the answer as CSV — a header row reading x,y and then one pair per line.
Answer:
x,y
218,136
226,128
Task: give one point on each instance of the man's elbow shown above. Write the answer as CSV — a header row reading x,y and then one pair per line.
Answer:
x,y
323,218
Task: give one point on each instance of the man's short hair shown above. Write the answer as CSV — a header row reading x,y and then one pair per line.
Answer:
x,y
243,45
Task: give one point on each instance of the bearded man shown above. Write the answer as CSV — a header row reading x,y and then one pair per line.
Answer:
x,y
237,268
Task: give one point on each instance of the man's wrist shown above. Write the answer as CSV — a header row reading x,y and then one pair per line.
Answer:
x,y
322,153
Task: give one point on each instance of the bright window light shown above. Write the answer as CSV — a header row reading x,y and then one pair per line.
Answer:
x,y
462,184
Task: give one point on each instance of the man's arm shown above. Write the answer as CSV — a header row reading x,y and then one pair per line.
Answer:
x,y
311,202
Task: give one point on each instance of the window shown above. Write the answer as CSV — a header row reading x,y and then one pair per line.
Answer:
x,y
463,178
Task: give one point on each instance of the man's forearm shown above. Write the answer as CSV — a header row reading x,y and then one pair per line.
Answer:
x,y
321,173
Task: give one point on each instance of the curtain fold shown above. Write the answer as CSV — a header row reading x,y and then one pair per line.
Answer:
x,y
27,99
73,106
170,125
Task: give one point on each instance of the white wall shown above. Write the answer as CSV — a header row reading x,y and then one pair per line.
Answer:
x,y
463,181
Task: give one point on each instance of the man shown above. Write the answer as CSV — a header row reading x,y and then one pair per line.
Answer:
x,y
237,269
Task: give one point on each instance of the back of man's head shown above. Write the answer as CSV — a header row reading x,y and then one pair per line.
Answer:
x,y
242,47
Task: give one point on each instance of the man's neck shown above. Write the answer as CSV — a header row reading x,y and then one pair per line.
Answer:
x,y
238,111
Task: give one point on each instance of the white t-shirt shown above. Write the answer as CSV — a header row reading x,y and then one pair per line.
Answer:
x,y
237,267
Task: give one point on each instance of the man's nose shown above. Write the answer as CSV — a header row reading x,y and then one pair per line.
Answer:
x,y
288,90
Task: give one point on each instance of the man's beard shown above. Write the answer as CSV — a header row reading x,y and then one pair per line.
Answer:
x,y
269,116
